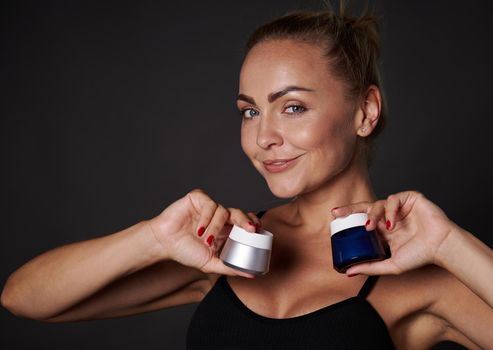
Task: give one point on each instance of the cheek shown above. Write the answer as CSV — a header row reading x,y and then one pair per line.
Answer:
x,y
341,146
331,142
312,135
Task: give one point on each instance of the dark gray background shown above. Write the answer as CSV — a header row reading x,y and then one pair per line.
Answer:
x,y
111,111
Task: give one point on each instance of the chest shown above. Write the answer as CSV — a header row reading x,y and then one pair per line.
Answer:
x,y
281,299
398,313
240,324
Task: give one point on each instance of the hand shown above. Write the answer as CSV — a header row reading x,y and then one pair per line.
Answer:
x,y
193,229
413,227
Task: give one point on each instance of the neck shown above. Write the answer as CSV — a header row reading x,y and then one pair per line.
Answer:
x,y
312,209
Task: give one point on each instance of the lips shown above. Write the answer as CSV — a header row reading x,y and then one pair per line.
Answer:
x,y
279,165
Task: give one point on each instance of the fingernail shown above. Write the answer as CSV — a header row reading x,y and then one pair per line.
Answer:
x,y
251,223
201,231
335,208
388,224
352,275
367,222
210,239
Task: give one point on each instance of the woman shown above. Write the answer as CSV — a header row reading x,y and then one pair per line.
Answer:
x,y
311,102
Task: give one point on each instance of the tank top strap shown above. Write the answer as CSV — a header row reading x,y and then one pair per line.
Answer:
x,y
261,213
367,286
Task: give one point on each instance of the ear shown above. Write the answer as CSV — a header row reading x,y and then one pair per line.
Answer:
x,y
370,108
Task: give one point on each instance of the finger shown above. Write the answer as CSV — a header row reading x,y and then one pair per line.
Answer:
x,y
375,213
239,218
222,236
217,266
382,231
215,226
207,210
255,220
392,206
383,267
345,210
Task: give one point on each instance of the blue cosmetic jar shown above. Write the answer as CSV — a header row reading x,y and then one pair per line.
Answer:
x,y
352,244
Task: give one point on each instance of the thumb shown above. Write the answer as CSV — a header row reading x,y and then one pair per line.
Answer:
x,y
216,265
383,267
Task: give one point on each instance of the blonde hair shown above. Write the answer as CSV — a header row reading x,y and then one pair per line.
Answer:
x,y
351,45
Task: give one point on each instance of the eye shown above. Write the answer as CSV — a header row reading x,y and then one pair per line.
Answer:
x,y
249,113
295,109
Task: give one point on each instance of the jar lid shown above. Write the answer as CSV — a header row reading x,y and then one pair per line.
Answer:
x,y
353,220
261,239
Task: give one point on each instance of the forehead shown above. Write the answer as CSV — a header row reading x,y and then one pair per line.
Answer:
x,y
277,63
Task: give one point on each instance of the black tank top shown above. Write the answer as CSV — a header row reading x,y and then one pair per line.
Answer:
x,y
222,321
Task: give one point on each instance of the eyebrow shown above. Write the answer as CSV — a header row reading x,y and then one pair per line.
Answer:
x,y
274,95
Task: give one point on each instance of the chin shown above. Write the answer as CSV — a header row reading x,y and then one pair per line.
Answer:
x,y
281,190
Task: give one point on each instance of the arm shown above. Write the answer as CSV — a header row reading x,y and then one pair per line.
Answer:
x,y
64,277
465,301
153,264
462,316
419,233
470,260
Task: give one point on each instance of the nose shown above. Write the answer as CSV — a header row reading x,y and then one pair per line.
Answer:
x,y
269,133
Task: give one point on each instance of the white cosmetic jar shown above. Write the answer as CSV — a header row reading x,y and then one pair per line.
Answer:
x,y
247,251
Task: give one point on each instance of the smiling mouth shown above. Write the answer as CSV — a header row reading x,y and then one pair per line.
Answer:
x,y
279,165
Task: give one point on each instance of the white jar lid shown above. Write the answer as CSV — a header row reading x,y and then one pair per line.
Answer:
x,y
353,220
261,239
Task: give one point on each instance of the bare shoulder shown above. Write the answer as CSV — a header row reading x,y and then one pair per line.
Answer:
x,y
421,307
399,296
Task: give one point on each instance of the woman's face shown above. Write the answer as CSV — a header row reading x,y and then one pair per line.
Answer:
x,y
298,128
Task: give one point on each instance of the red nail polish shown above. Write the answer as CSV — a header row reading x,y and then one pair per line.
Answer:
x,y
251,223
388,224
353,275
335,208
201,231
367,222
210,239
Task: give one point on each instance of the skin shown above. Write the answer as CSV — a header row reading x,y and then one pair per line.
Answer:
x,y
325,132
426,293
